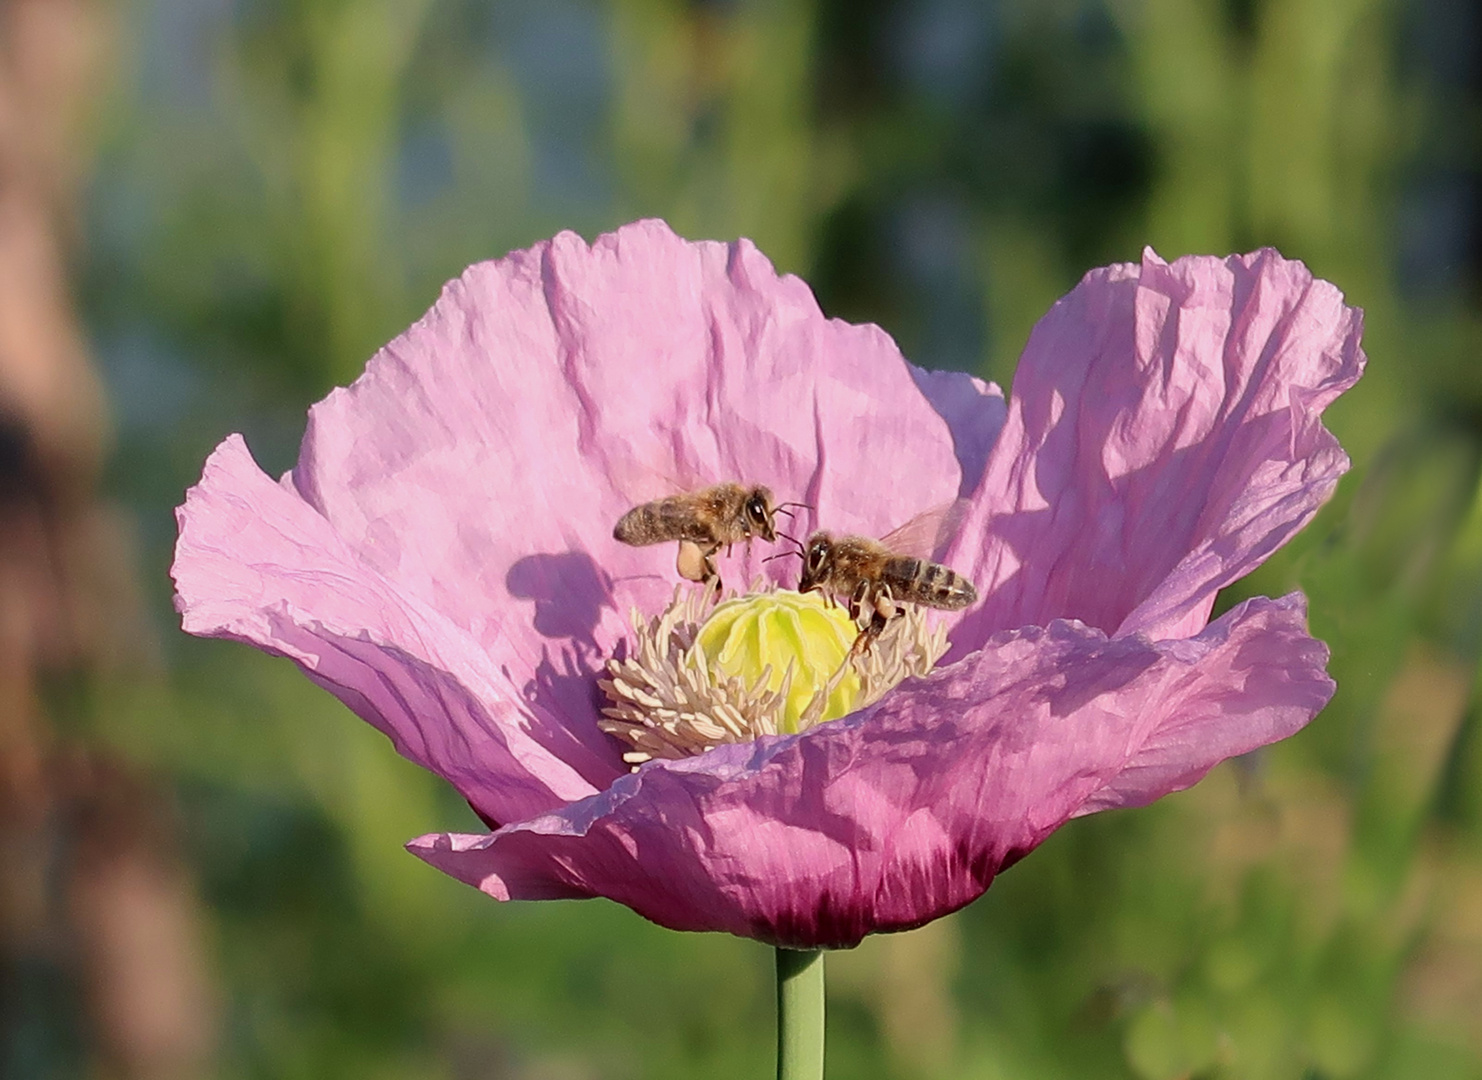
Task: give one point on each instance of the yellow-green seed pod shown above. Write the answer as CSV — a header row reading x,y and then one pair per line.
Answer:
x,y
784,630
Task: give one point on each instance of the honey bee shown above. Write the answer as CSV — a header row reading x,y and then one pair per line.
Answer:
x,y
703,522
874,579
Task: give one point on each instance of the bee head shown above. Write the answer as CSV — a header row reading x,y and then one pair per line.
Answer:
x,y
758,511
818,554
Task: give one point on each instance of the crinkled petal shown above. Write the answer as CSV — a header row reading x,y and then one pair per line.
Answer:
x,y
481,461
975,412
906,811
1163,439
255,563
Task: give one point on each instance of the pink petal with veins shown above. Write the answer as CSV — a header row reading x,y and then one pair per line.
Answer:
x,y
1163,439
906,811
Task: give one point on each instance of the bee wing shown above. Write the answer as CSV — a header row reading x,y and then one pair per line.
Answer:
x,y
639,484
927,535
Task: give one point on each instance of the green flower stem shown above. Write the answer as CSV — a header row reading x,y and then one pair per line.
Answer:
x,y
799,1014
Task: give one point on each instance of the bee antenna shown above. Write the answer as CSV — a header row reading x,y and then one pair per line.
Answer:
x,y
781,555
801,548
805,506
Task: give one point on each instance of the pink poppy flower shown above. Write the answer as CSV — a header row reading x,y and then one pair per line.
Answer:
x,y
441,559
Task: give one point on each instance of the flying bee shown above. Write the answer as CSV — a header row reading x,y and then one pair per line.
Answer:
x,y
703,522
874,577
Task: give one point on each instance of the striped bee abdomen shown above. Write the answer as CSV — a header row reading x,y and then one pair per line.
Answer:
x,y
655,522
919,581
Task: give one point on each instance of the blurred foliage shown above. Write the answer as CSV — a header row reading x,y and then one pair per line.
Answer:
x,y
282,186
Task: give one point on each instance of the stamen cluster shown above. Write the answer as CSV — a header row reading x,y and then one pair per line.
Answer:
x,y
671,697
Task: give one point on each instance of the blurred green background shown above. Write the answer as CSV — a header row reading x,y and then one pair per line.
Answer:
x,y
201,854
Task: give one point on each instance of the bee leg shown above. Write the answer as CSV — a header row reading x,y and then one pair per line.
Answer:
x,y
694,563
885,608
877,627
881,610
868,634
859,603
